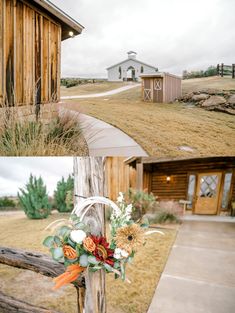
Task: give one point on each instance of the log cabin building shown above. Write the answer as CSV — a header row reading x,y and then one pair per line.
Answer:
x,y
31,32
206,185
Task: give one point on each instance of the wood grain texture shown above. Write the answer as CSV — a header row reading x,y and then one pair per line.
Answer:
x,y
90,181
11,305
30,45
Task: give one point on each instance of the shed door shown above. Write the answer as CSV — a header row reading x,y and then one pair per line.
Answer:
x,y
147,90
207,195
158,90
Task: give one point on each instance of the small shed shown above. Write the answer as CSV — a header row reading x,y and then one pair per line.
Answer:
x,y
160,87
31,32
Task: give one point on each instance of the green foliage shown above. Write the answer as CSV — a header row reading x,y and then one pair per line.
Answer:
x,y
210,71
141,201
5,202
64,195
34,199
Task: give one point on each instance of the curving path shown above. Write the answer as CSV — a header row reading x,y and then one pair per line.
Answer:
x,y
104,139
102,94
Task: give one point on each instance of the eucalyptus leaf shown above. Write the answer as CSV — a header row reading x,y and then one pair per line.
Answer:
x,y
58,253
64,231
92,260
49,241
83,260
108,267
57,241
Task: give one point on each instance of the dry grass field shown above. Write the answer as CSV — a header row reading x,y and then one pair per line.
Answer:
x,y
17,231
161,128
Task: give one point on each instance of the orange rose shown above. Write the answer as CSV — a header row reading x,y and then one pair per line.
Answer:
x,y
89,244
69,252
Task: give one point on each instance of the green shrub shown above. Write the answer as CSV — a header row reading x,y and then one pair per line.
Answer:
x,y
5,202
141,201
64,195
163,217
34,199
210,71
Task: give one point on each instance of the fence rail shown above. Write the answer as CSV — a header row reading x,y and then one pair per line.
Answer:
x,y
39,263
226,70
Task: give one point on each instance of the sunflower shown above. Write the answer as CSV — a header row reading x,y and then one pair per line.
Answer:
x,y
129,237
102,251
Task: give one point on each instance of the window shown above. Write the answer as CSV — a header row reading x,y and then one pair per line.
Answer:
x,y
120,72
226,190
142,69
191,190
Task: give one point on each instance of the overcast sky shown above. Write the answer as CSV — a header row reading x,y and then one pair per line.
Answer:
x,y
15,172
172,35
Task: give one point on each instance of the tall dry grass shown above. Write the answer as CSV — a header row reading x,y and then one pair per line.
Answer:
x,y
26,137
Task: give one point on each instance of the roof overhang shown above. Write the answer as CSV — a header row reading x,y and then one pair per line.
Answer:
x,y
158,75
67,23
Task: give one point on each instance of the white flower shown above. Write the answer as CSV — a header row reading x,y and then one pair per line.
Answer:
x,y
129,209
120,198
120,254
78,236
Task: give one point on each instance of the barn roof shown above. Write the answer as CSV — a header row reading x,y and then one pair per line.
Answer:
x,y
134,60
68,23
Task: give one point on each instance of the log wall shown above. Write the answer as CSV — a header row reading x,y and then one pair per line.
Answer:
x,y
30,48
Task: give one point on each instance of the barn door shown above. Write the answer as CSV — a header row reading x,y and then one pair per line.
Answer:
x,y
207,194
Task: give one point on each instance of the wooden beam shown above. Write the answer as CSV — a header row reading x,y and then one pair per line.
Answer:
x,y
33,261
11,305
89,181
140,175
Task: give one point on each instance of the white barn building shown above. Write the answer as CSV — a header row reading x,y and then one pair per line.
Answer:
x,y
129,69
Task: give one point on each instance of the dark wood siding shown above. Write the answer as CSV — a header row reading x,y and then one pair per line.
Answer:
x,y
179,171
29,55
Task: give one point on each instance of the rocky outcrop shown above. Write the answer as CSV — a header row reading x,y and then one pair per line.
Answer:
x,y
212,100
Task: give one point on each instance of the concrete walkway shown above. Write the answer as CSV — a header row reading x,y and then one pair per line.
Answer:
x,y
102,94
104,139
200,273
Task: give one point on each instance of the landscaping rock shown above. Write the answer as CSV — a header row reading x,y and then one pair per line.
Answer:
x,y
187,97
231,100
213,101
225,110
202,96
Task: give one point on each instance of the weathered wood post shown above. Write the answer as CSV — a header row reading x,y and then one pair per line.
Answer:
x,y
222,69
89,180
233,70
218,68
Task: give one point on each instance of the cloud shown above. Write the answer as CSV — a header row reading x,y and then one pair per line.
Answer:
x,y
14,172
172,34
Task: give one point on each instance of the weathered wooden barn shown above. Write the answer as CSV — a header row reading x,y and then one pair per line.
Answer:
x,y
31,32
206,184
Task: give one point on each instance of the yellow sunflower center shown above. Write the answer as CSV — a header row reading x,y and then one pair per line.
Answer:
x,y
102,252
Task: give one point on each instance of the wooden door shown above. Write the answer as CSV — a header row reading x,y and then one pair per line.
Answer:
x,y
207,193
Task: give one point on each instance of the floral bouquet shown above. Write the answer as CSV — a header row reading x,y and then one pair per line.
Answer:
x,y
76,246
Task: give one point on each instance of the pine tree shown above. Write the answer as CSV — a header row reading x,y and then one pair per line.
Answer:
x,y
34,199
64,195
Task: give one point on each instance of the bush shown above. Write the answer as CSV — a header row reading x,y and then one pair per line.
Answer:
x,y
34,199
64,195
141,201
5,202
165,212
210,71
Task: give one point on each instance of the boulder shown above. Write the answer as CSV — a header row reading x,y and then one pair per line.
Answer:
x,y
187,97
201,96
213,101
231,100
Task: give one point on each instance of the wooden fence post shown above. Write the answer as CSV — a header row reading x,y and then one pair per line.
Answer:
x,y
222,69
89,180
233,70
218,68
